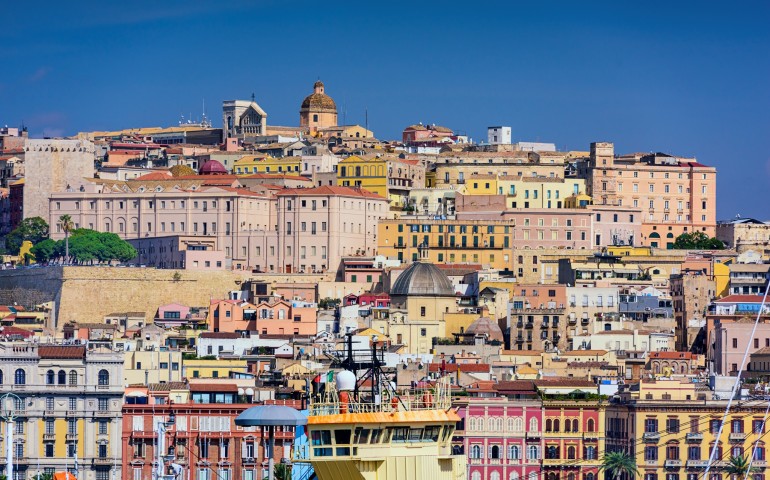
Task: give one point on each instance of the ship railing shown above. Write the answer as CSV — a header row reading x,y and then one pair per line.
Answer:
x,y
403,404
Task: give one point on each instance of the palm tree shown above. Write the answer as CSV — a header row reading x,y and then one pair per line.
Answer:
x,y
282,472
739,466
616,464
66,224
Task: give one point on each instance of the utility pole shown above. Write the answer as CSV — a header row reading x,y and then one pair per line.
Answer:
x,y
9,416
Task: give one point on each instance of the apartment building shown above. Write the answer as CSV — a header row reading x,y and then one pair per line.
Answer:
x,y
68,401
677,195
391,178
670,427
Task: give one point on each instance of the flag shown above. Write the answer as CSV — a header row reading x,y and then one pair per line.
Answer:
x,y
330,377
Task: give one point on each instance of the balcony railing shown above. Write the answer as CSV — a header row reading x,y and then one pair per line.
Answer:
x,y
651,436
738,436
694,437
697,463
672,463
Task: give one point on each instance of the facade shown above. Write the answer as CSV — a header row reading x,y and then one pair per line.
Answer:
x,y
317,227
69,412
499,135
743,234
691,293
389,178
749,278
53,166
677,195
241,118
202,437
274,317
179,252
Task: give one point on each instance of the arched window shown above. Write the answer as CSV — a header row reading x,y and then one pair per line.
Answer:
x,y
476,451
548,425
518,424
495,452
513,452
475,475
553,476
589,476
494,475
556,425
104,378
575,425
590,453
50,377
20,378
533,424
571,452
552,451
499,424
1,377
513,475
73,378
532,475
567,426
570,476
590,425
509,424
61,377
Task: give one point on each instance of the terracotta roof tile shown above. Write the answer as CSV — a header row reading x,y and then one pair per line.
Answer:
x,y
331,190
214,387
61,351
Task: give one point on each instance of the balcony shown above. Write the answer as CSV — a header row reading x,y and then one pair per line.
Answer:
x,y
104,460
249,461
759,463
694,437
49,437
72,413
71,437
544,325
651,436
591,435
553,462
738,436
697,463
672,463
530,325
104,413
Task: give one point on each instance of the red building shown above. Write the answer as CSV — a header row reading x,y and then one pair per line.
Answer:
x,y
203,438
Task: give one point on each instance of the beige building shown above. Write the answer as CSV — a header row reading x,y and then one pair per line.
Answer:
x,y
743,234
316,227
691,294
70,400
677,195
143,367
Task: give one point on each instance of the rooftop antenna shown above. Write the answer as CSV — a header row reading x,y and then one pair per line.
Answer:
x,y
253,97
366,119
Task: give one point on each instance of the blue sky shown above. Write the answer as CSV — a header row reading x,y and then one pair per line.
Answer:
x,y
688,78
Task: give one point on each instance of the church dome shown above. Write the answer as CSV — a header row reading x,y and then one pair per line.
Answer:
x,y
423,279
212,167
485,326
318,100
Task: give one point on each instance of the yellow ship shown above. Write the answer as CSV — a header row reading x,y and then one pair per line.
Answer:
x,y
376,434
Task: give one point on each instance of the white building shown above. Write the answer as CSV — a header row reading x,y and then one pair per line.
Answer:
x,y
499,135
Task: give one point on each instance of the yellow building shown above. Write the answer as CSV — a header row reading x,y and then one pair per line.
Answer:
x,y
451,241
196,368
142,367
671,426
527,191
391,178
251,164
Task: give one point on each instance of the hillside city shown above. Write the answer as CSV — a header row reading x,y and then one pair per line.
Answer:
x,y
158,282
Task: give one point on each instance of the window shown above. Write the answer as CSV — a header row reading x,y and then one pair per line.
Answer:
x,y
102,427
72,378
422,311
104,405
20,378
104,378
50,377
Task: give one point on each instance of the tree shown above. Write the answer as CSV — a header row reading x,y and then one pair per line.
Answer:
x,y
42,476
697,241
282,472
67,225
617,464
34,229
45,251
89,246
738,467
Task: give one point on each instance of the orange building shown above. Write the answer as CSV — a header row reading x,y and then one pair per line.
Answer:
x,y
273,317
676,195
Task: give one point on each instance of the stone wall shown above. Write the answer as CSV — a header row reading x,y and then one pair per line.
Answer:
x,y
87,294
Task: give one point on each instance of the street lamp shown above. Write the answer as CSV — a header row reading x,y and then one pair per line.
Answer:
x,y
9,415
162,454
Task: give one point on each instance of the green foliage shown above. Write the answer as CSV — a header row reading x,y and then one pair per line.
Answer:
x,y
182,170
697,241
45,251
616,464
282,472
327,303
34,229
42,476
738,467
176,276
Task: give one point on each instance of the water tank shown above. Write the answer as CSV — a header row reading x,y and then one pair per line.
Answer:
x,y
346,381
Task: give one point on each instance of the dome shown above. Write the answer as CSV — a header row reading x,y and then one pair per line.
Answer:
x,y
485,326
212,167
318,99
423,279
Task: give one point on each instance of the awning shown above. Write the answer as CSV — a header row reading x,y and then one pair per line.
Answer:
x,y
135,394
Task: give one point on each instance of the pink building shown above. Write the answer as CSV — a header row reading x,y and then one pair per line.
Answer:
x,y
232,316
317,227
173,314
733,320
274,317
